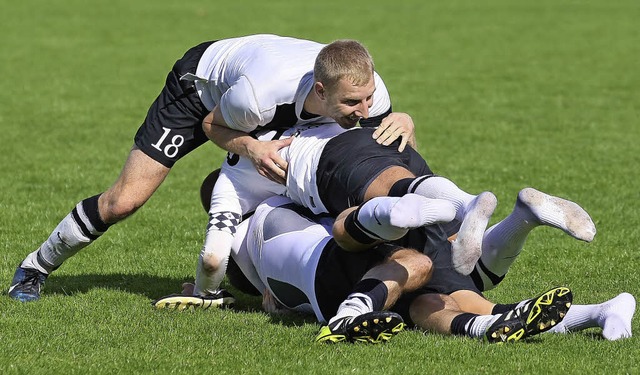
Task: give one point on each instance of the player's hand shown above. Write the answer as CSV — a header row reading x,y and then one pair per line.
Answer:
x,y
394,126
271,305
265,157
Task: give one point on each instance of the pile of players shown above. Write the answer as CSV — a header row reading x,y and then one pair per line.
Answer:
x,y
324,206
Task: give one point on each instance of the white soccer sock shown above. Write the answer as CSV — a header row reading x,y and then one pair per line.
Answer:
x,y
355,304
64,242
437,187
389,218
477,326
613,316
466,249
212,262
558,213
503,242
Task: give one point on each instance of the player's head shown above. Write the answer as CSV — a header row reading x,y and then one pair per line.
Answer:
x,y
344,81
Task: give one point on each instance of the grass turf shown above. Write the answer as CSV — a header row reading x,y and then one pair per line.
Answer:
x,y
504,95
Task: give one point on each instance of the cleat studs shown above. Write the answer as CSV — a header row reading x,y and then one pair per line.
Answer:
x,y
376,321
562,315
388,319
365,323
553,323
507,329
356,329
494,335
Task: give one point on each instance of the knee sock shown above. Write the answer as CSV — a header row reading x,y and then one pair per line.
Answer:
x,y
436,187
367,295
472,325
503,242
613,316
214,257
389,218
78,229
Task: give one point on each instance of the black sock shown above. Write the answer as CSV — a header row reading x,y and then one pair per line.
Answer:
x,y
459,323
375,289
501,308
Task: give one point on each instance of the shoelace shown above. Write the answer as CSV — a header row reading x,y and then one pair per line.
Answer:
x,y
32,280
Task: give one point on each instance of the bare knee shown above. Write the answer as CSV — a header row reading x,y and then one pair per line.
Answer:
x,y
115,207
210,263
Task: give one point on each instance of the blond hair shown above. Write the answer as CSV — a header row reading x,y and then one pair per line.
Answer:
x,y
343,58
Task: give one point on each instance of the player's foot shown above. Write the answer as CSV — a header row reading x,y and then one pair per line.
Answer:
x,y
535,316
414,211
26,284
373,327
466,249
558,213
180,302
615,317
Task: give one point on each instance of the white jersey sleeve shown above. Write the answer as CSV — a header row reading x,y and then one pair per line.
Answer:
x,y
240,107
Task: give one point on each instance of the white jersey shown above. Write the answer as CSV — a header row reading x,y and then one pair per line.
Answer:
x,y
255,77
283,260
240,188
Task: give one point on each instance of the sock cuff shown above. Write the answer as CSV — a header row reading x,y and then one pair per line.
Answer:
x,y
355,229
375,289
401,187
413,186
87,216
501,308
459,323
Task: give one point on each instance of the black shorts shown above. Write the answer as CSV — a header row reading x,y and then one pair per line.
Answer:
x,y
173,126
340,270
445,279
352,160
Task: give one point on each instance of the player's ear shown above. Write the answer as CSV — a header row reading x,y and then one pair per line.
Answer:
x,y
320,90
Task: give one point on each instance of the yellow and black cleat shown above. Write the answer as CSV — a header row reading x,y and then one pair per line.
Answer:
x,y
373,327
537,315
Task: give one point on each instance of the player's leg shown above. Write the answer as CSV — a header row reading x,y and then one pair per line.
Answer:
x,y
170,131
613,316
387,218
503,241
440,313
529,318
473,212
89,220
361,316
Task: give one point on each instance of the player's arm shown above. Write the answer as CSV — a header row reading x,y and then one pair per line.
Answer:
x,y
263,155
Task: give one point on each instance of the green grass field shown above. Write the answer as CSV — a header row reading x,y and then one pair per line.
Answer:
x,y
504,94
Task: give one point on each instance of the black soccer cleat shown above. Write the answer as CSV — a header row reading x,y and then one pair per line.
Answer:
x,y
373,327
26,284
537,315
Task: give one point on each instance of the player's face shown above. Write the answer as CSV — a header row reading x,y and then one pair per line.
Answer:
x,y
347,103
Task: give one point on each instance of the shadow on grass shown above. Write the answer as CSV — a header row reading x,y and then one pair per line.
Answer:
x,y
154,287
150,286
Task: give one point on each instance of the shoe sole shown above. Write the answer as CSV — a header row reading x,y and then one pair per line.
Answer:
x,y
181,303
545,312
375,327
